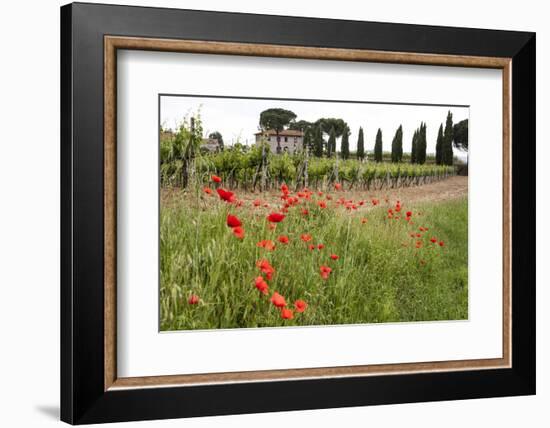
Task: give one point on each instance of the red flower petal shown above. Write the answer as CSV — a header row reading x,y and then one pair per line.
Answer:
x,y
275,217
233,221
238,232
278,300
300,305
226,195
287,314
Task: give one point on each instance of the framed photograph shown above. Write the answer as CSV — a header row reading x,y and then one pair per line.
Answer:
x,y
266,213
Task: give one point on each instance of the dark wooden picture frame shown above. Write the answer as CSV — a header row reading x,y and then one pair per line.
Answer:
x,y
90,389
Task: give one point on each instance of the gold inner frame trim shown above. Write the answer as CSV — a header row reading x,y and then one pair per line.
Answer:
x,y
113,43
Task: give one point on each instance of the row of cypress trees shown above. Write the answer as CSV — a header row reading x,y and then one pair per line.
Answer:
x,y
443,148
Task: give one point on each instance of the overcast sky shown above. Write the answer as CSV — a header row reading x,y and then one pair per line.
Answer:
x,y
237,119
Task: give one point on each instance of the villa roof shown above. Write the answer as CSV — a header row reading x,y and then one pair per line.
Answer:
x,y
283,133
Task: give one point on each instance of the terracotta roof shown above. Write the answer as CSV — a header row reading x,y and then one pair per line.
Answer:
x,y
283,133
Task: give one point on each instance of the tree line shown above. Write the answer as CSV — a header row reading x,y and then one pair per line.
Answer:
x,y
314,137
451,135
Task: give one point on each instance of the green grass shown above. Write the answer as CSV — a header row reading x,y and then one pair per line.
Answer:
x,y
379,277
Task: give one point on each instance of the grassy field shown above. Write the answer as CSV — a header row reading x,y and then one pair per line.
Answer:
x,y
385,266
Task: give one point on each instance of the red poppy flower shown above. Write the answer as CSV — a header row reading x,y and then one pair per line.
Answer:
x,y
322,204
311,247
320,246
226,195
278,300
216,179
300,305
433,240
208,190
238,232
283,239
287,314
329,198
261,285
418,235
418,244
375,202
267,244
337,186
284,189
193,299
441,243
275,217
409,213
334,257
257,203
305,237
233,221
325,272
266,268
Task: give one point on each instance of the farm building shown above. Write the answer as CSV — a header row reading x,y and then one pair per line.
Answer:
x,y
210,144
290,140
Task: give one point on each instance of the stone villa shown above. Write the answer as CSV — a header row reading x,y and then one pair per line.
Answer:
x,y
290,140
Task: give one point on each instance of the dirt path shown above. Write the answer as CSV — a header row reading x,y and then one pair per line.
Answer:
x,y
444,190
449,189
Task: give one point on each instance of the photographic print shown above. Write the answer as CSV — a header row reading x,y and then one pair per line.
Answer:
x,y
286,212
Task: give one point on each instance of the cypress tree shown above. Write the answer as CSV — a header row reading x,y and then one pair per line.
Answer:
x,y
424,141
318,142
331,145
378,146
439,146
421,144
344,147
414,146
447,152
400,143
394,156
360,145
397,145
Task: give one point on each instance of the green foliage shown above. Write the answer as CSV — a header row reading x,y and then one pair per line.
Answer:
x,y
344,147
330,123
300,125
419,143
439,146
447,152
414,147
378,146
460,134
397,145
360,145
317,141
331,144
276,119
376,279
